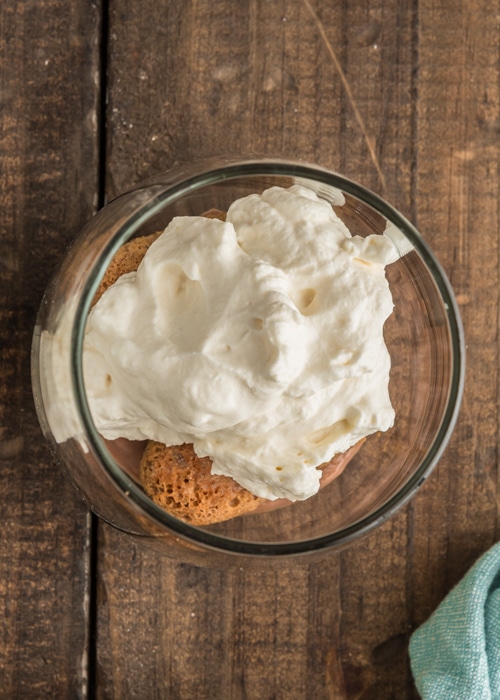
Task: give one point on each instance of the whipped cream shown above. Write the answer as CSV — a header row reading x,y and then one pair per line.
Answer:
x,y
259,340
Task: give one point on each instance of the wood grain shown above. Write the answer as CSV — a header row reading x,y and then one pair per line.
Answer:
x,y
456,516
48,187
262,78
376,620
400,95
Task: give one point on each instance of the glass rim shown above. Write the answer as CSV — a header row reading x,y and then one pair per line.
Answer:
x,y
206,173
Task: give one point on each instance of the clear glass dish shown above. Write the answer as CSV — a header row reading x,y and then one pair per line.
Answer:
x,y
424,337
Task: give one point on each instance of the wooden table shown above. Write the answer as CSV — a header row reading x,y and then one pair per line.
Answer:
x,y
95,95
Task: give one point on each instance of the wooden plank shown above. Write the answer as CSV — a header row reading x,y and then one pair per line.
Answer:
x,y
378,134
456,515
217,83
48,188
258,76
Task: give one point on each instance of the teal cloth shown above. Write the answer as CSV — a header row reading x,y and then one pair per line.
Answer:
x,y
455,655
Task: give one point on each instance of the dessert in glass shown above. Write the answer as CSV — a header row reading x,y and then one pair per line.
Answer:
x,y
248,357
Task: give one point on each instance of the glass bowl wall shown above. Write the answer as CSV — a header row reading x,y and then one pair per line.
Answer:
x,y
423,335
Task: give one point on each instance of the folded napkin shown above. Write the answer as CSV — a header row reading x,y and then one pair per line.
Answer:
x,y
455,655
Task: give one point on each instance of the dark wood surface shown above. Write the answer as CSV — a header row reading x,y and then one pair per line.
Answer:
x,y
401,95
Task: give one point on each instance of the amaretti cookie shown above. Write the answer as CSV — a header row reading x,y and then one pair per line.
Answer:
x,y
179,481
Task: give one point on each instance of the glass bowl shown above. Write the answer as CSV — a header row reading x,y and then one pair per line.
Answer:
x,y
424,337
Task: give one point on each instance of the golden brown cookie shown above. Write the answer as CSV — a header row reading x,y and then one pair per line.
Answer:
x,y
179,481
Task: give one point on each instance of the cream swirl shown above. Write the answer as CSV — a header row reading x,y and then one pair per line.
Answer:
x,y
258,339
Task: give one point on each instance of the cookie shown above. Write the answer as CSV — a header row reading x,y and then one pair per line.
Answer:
x,y
180,482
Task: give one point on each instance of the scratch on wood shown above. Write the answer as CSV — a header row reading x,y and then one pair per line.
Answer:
x,y
347,88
